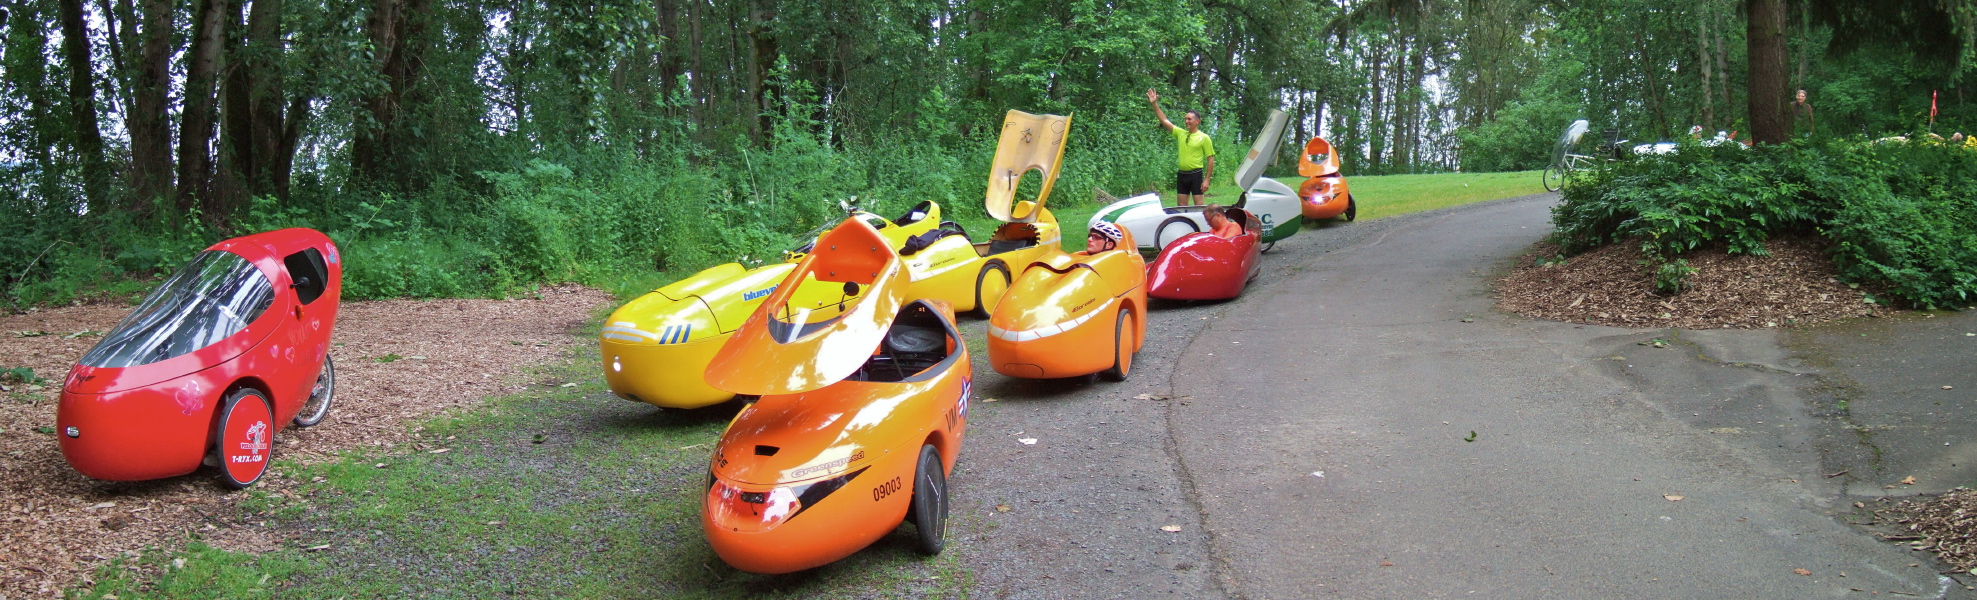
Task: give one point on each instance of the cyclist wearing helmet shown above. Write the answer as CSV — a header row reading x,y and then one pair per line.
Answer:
x,y
1104,236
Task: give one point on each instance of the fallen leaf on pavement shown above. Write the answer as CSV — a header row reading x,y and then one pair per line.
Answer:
x,y
1949,387
1027,441
1801,571
1672,497
1386,564
1171,528
1909,480
1001,508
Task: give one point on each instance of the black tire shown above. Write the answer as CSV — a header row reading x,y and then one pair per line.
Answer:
x,y
1351,208
1122,355
982,309
317,405
1554,177
1160,239
929,509
1267,246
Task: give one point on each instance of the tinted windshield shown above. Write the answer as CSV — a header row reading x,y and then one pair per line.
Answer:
x,y
215,296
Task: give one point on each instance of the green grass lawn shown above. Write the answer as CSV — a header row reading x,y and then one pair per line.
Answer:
x,y
1393,195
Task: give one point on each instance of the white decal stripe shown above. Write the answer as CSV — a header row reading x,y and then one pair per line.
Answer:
x,y
623,338
1047,330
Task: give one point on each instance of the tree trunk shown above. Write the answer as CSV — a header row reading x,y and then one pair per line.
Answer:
x,y
762,54
149,122
1769,123
195,147
82,100
1703,59
396,29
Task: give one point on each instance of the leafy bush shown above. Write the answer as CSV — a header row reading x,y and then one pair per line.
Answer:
x,y
1902,215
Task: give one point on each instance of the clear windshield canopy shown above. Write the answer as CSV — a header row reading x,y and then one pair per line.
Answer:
x,y
215,296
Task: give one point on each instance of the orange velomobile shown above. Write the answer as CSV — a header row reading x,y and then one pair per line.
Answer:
x,y
863,406
1072,314
1324,195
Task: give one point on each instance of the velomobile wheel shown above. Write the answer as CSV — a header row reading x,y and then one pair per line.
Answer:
x,y
246,428
1122,349
989,286
1351,208
318,403
1160,237
1267,246
929,511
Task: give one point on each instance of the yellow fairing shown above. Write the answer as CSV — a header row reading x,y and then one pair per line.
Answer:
x,y
787,348
1028,142
656,348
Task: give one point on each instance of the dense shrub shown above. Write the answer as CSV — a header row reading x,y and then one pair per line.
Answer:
x,y
595,216
1903,215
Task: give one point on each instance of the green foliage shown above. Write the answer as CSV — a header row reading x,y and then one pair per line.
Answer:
x,y
1673,276
1902,215
23,375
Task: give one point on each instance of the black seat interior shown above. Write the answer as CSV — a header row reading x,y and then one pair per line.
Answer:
x,y
918,341
1013,236
921,242
1238,216
308,274
916,214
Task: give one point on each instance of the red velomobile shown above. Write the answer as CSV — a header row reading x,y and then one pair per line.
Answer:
x,y
227,351
1204,266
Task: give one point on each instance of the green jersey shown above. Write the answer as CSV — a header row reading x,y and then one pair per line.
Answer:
x,y
1195,148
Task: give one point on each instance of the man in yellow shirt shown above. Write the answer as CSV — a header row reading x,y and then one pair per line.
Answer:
x,y
1196,162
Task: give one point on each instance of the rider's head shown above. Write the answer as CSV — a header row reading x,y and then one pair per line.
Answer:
x,y
1215,216
1104,236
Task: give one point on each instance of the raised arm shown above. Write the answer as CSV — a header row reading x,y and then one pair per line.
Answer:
x,y
1154,99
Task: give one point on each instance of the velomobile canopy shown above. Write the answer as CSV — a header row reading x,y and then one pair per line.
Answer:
x,y
1318,147
1263,152
786,349
1029,142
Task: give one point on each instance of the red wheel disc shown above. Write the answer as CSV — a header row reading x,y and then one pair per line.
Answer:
x,y
248,427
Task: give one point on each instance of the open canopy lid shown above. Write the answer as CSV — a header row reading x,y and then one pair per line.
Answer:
x,y
1320,148
1029,142
784,349
1263,152
1569,139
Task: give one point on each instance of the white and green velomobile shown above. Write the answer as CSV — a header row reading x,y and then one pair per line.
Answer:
x,y
1155,225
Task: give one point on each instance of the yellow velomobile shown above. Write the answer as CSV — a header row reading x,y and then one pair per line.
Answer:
x,y
945,264
656,348
1073,314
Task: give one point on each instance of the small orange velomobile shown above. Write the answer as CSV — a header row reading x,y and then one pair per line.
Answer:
x,y
860,419
1204,266
1325,194
1053,322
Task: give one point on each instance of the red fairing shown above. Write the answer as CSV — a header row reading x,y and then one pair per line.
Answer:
x,y
1202,266
143,403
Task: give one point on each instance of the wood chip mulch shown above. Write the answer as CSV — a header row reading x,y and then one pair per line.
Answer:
x,y
1947,524
397,360
1796,285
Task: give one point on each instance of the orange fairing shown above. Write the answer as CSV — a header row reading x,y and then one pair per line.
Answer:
x,y
1061,318
785,349
1029,142
1324,152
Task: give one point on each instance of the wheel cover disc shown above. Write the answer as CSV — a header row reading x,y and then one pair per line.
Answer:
x,y
245,444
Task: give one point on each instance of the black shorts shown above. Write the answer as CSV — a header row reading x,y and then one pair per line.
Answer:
x,y
1188,183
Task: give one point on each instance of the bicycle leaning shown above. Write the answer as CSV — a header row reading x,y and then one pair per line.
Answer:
x,y
1564,162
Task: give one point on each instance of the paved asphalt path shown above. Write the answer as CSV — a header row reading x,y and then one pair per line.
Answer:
x,y
1363,424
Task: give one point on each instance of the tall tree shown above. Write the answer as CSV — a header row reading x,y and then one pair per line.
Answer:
x,y
1764,23
82,98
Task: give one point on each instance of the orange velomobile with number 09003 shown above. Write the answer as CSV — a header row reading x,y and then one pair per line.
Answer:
x,y
862,410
